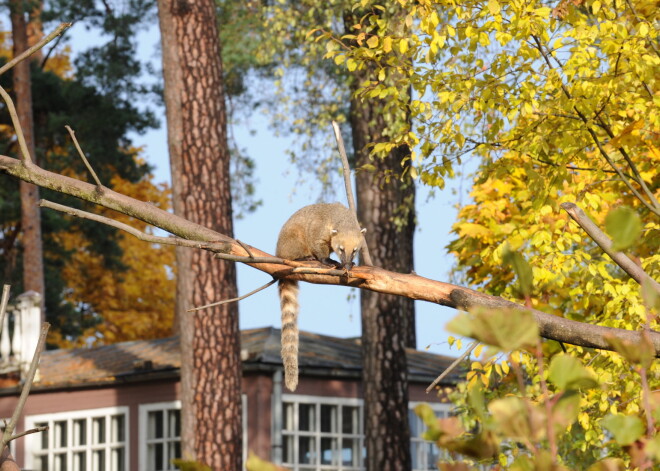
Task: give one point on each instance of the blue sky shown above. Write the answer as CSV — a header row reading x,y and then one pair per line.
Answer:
x,y
324,309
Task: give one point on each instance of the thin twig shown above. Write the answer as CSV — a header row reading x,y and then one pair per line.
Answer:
x,y
226,301
320,271
3,305
652,207
126,228
453,366
214,246
41,428
25,153
246,248
82,156
28,52
550,426
631,268
366,257
9,429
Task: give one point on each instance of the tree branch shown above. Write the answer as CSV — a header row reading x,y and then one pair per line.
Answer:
x,y
72,133
364,252
653,205
3,305
22,145
633,270
8,434
372,278
28,52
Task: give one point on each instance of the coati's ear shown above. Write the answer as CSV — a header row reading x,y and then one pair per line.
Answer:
x,y
364,229
333,231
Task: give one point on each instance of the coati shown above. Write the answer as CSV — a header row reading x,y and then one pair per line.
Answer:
x,y
312,233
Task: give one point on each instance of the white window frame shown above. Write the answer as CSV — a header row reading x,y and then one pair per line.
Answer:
x,y
422,446
317,434
143,423
32,441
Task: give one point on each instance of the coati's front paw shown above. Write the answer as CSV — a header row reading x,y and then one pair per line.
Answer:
x,y
334,263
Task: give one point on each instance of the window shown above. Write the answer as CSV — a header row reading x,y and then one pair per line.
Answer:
x,y
160,430
160,434
424,454
87,440
322,433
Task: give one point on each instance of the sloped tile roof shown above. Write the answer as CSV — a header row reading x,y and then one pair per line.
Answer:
x,y
145,359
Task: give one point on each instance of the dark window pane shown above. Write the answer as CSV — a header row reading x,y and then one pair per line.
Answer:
x,y
328,418
306,450
155,424
329,451
349,419
306,417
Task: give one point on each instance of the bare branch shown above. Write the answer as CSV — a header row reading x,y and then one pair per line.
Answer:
x,y
366,256
226,301
25,392
3,305
246,247
125,227
631,268
653,206
372,278
453,366
41,428
25,153
82,156
28,52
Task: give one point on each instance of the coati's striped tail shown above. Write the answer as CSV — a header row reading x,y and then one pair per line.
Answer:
x,y
289,305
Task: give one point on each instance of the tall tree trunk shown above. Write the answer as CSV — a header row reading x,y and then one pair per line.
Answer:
x,y
387,321
199,156
33,265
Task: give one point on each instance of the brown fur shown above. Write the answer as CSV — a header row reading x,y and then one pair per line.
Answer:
x,y
312,232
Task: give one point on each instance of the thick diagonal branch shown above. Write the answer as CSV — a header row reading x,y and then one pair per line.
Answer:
x,y
371,278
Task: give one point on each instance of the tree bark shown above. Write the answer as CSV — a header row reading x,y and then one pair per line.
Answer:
x,y
210,341
33,266
388,322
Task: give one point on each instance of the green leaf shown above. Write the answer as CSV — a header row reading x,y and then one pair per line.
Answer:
x,y
565,411
652,448
624,225
521,268
608,464
566,372
626,428
650,295
640,353
511,417
506,329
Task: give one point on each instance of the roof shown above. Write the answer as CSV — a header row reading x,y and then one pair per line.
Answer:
x,y
260,350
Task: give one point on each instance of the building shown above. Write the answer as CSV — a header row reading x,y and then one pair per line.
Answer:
x,y
116,408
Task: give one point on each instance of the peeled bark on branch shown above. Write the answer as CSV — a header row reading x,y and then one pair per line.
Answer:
x,y
372,278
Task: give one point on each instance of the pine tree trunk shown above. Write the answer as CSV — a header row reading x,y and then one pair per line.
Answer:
x,y
33,265
387,321
210,339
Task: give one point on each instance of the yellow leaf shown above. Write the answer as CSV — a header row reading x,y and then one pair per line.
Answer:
x,y
473,230
387,44
403,46
493,7
628,131
372,42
